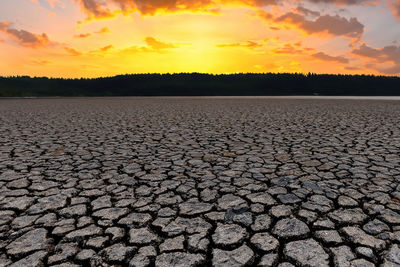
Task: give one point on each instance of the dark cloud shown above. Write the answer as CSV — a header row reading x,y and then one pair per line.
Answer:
x,y
386,54
346,2
307,12
23,37
333,25
325,57
102,9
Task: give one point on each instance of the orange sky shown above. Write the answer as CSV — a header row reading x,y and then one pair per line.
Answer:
x,y
91,38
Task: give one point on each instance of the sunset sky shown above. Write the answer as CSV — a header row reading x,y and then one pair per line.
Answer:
x,y
91,38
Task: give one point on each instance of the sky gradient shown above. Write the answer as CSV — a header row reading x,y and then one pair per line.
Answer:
x,y
91,38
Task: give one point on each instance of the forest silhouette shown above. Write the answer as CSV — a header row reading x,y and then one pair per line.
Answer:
x,y
198,84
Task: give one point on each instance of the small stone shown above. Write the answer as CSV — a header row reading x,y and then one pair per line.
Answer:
x,y
264,242
290,228
179,259
306,253
241,256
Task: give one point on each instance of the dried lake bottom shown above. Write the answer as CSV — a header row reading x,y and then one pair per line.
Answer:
x,y
199,182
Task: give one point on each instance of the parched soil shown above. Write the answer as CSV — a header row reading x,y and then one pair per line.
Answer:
x,y
199,182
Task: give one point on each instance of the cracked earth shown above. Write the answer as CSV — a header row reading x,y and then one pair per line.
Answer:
x,y
199,182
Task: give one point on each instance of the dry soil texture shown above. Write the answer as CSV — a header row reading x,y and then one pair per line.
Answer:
x,y
187,182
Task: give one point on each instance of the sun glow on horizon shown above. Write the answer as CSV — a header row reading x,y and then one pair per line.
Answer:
x,y
82,38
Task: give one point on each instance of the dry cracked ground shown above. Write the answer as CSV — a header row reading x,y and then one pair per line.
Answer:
x,y
199,182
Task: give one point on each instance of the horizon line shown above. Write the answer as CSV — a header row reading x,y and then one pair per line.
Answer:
x,y
306,74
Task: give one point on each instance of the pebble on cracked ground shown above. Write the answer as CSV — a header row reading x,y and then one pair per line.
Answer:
x,y
199,182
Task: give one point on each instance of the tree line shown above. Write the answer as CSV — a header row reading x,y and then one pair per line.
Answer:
x,y
197,84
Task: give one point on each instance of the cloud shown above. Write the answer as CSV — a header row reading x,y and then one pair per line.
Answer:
x,y
106,48
345,2
395,7
106,9
293,49
325,57
103,30
332,25
40,62
95,8
23,37
157,45
83,35
247,44
384,54
377,56
73,51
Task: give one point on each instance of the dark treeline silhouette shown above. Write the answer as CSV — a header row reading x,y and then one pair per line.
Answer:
x,y
196,84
